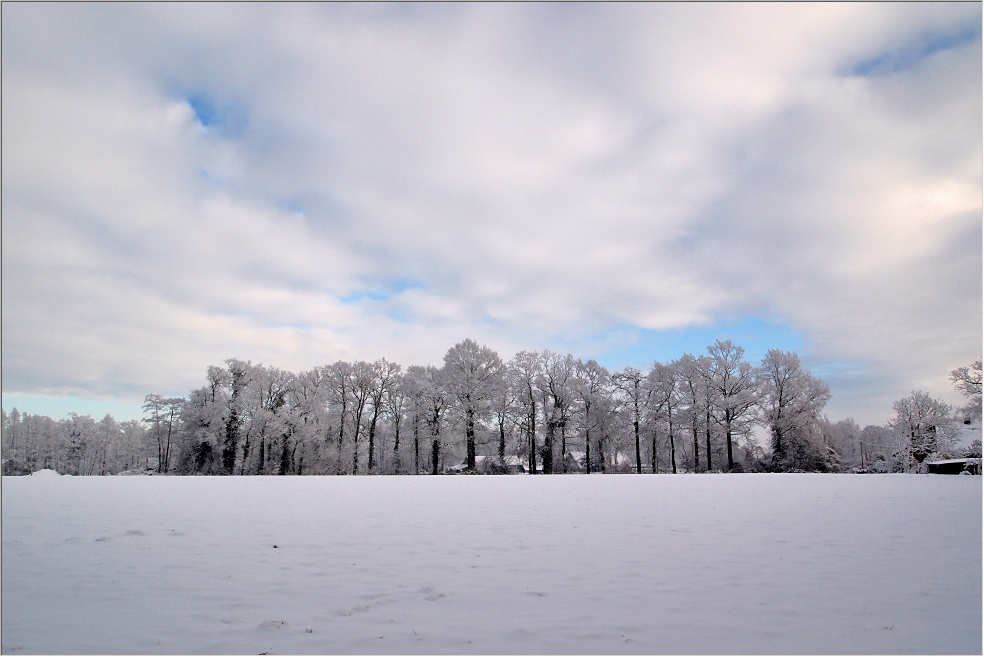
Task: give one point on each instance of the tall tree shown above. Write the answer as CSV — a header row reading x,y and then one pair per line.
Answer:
x,y
735,386
398,401
694,395
472,373
384,375
630,382
415,383
434,403
791,403
339,380
663,381
922,426
503,408
591,382
524,371
363,384
239,374
967,380
163,416
555,379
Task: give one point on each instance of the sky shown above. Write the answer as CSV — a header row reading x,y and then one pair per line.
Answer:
x,y
296,184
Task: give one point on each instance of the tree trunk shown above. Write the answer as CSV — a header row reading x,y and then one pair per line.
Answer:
x,y
547,457
563,449
696,453
587,450
470,438
653,456
502,438
587,437
727,435
372,444
672,445
707,427
416,444
435,455
397,465
285,455
229,446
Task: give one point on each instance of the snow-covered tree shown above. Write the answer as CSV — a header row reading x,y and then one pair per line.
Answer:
x,y
791,403
472,374
629,382
524,372
384,376
398,404
664,382
434,398
163,418
556,396
592,387
735,387
922,426
967,380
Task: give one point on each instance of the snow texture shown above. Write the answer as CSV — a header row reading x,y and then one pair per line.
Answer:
x,y
484,565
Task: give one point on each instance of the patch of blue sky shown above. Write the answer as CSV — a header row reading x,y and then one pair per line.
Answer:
x,y
203,107
911,54
385,291
59,408
225,117
642,347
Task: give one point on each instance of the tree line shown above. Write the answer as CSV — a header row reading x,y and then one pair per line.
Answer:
x,y
540,412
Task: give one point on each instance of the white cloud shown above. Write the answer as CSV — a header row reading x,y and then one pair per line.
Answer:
x,y
540,171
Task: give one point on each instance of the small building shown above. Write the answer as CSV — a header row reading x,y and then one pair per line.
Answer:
x,y
489,465
954,466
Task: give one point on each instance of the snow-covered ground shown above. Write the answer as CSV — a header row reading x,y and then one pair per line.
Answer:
x,y
484,565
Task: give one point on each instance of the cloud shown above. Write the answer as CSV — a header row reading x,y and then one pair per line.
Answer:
x,y
299,183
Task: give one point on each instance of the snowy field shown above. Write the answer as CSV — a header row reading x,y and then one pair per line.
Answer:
x,y
485,565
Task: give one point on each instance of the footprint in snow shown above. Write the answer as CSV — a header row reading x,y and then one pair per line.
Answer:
x,y
357,609
430,594
272,626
